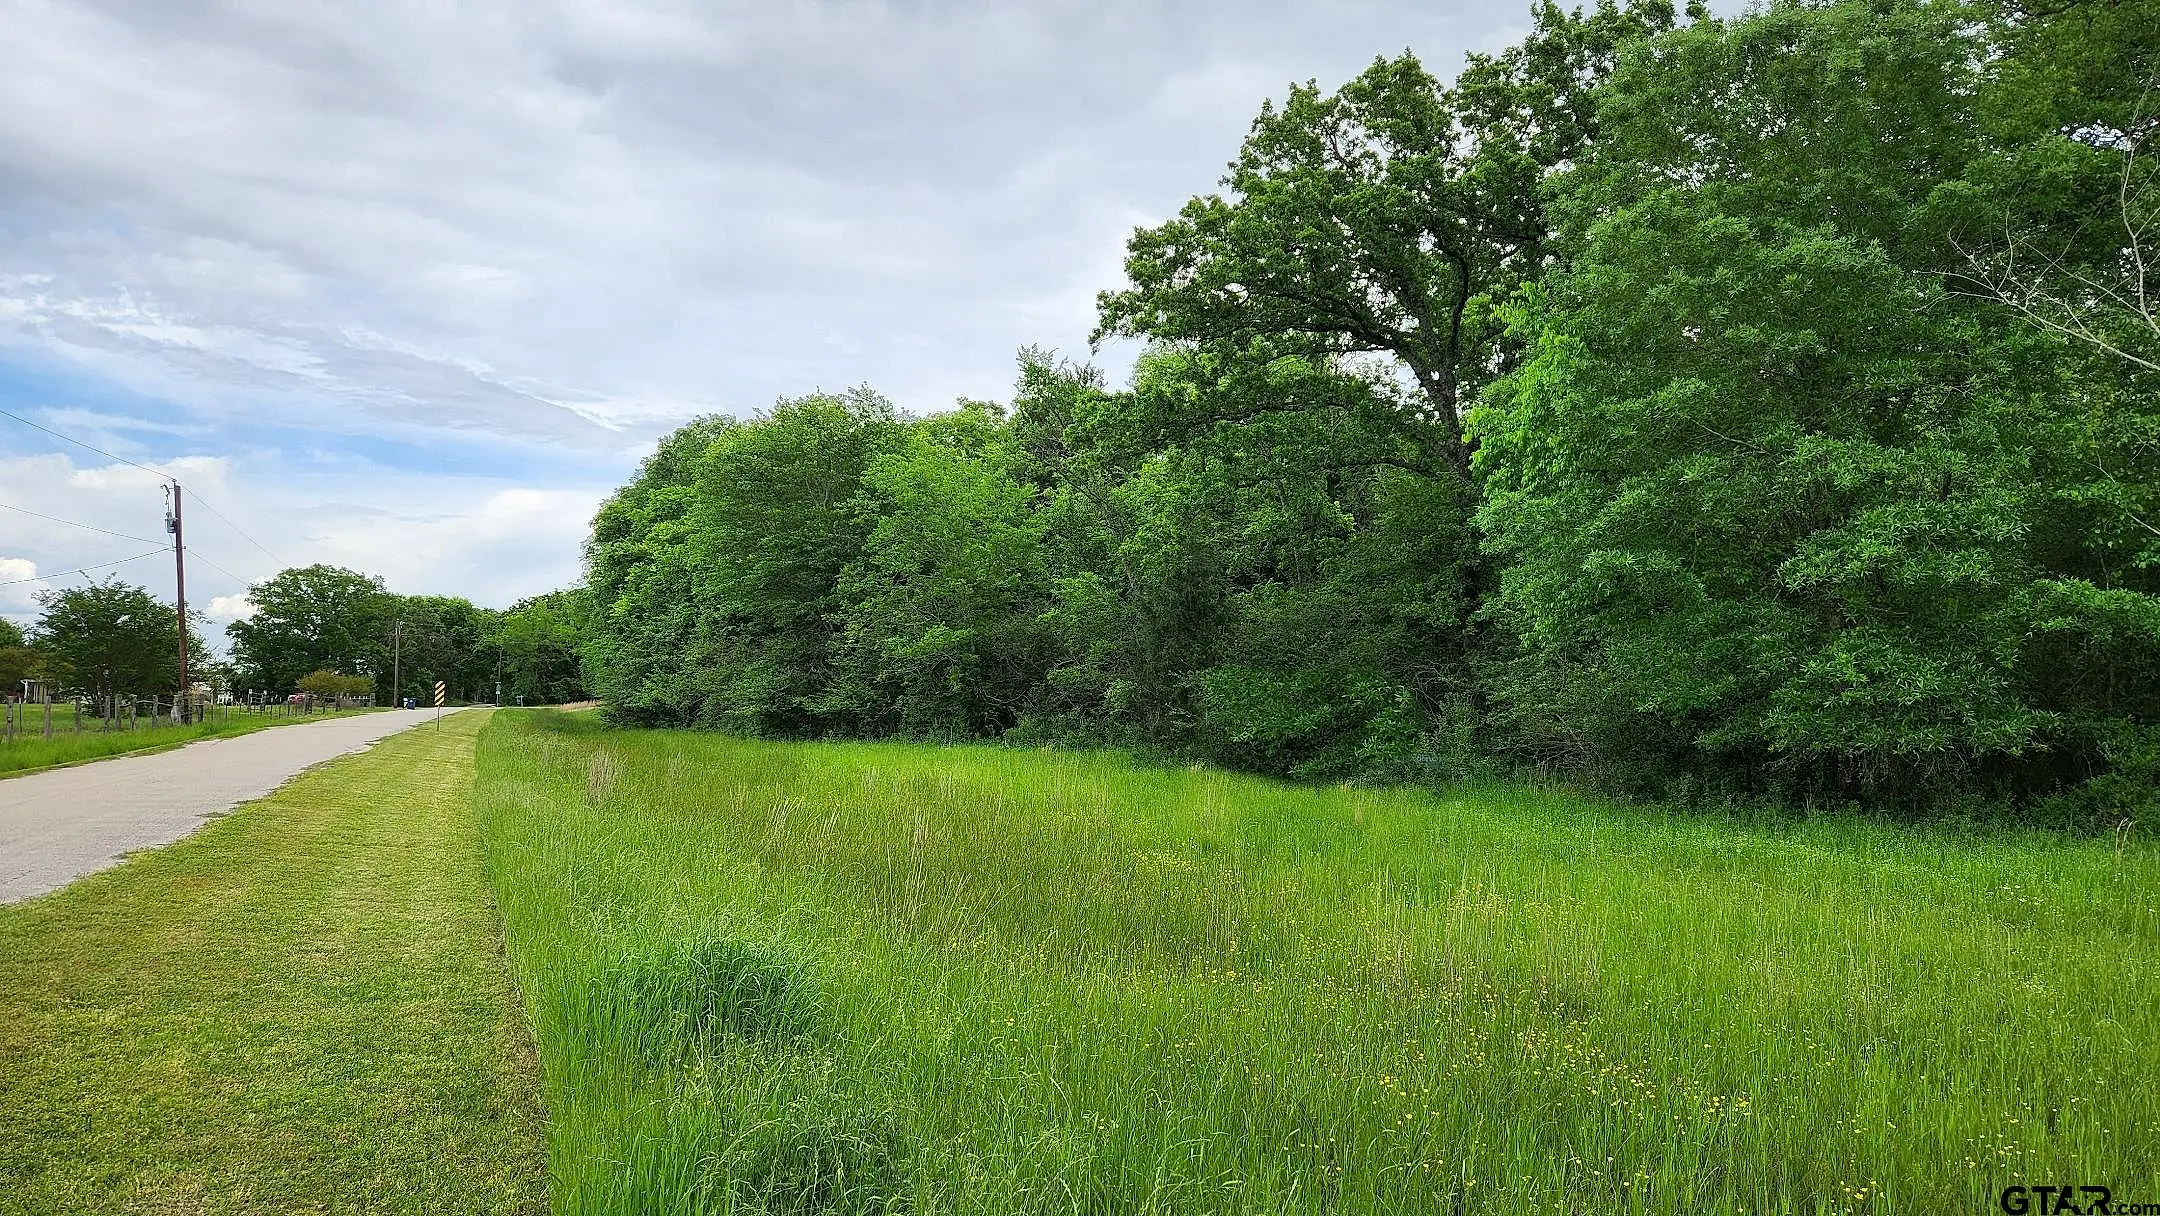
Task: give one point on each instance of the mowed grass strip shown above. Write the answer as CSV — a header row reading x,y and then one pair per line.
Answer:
x,y
303,1007
868,978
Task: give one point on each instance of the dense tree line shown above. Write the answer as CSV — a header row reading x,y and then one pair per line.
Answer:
x,y
320,618
1755,406
338,625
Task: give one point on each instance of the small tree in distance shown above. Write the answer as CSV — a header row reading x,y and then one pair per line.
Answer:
x,y
110,637
18,662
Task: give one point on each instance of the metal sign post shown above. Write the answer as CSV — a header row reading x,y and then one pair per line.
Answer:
x,y
438,704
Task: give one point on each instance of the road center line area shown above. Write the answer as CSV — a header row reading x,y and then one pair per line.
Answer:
x,y
301,1007
57,826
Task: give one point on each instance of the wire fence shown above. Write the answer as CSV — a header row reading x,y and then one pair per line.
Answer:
x,y
24,721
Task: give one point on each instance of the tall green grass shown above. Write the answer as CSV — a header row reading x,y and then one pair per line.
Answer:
x,y
865,978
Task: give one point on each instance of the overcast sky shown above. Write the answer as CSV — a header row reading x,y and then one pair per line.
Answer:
x,y
409,287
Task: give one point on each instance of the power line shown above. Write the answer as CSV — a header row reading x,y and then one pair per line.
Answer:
x,y
199,499
83,569
74,524
84,446
172,525
204,503
214,566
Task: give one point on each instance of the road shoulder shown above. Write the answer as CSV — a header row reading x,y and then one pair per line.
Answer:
x,y
59,825
303,1006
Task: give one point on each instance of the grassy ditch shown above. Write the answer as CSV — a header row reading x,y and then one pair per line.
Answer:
x,y
302,1007
854,978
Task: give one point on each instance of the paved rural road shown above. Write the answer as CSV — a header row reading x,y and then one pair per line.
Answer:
x,y
57,826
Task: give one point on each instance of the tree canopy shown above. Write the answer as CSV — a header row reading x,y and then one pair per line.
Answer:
x,y
110,638
311,618
316,619
1751,406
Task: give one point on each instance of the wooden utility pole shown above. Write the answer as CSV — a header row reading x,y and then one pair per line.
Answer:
x,y
397,697
179,557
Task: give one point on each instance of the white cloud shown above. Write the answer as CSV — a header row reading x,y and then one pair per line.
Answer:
x,y
484,253
645,208
471,536
495,546
17,593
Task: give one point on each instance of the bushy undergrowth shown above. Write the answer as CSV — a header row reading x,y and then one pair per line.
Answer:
x,y
867,978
